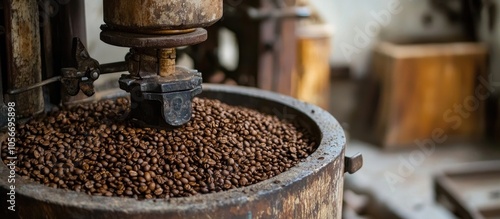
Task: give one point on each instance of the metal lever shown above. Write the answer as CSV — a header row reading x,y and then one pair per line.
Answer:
x,y
83,76
74,79
39,84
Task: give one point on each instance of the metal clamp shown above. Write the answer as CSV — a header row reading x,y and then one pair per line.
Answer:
x,y
83,76
353,164
169,96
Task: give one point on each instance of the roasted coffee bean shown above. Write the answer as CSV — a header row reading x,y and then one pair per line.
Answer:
x,y
158,191
132,173
91,149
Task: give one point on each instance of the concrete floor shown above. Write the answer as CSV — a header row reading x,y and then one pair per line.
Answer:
x,y
399,184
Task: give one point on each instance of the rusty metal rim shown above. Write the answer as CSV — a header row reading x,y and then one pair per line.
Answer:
x,y
163,31
126,39
330,149
155,29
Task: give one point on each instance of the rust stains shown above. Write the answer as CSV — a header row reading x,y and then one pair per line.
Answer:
x,y
159,14
24,58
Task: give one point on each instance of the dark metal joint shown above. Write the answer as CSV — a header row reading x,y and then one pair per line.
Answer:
x,y
170,96
353,164
82,76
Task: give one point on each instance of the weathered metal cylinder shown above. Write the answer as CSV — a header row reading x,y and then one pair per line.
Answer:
x,y
160,15
311,189
23,55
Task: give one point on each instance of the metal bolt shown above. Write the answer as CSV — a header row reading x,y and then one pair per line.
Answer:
x,y
84,55
95,75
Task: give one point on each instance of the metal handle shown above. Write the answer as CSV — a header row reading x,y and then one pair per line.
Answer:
x,y
353,164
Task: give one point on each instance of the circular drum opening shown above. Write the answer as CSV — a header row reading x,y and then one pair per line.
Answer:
x,y
311,189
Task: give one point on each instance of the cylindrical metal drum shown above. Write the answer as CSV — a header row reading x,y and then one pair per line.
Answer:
x,y
311,189
157,15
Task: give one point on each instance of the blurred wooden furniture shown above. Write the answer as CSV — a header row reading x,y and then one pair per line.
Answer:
x,y
264,31
311,83
426,94
497,129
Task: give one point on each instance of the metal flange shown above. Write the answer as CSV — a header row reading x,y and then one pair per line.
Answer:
x,y
183,79
149,16
137,40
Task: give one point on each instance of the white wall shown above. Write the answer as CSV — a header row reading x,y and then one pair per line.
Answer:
x,y
102,52
350,20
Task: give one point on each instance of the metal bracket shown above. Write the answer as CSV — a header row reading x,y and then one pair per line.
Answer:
x,y
83,76
353,164
176,106
169,96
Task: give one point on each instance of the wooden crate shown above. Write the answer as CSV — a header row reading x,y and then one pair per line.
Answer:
x,y
422,90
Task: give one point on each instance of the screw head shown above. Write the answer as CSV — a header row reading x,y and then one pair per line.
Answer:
x,y
95,75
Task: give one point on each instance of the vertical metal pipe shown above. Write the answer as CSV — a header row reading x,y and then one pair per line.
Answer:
x,y
23,55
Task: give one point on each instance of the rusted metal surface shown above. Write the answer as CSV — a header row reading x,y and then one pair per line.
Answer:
x,y
23,55
103,69
166,61
83,75
113,67
311,189
124,39
152,16
153,28
162,101
142,62
161,92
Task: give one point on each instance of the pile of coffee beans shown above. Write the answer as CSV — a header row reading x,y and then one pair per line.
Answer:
x,y
94,149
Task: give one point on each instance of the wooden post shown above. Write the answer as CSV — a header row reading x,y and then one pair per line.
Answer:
x,y
312,81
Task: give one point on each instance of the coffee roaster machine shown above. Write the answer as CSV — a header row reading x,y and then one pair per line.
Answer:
x,y
45,63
